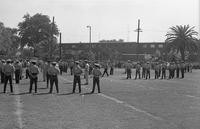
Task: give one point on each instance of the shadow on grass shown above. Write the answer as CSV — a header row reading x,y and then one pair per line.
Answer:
x,y
67,93
24,93
88,93
46,93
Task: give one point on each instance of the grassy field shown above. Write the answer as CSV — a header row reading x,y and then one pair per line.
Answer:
x,y
123,104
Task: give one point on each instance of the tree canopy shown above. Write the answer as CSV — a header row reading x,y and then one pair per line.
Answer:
x,y
9,41
182,39
36,30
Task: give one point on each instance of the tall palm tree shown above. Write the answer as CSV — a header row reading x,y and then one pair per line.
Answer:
x,y
182,39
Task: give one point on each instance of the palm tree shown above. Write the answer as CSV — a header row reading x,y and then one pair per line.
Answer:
x,y
181,39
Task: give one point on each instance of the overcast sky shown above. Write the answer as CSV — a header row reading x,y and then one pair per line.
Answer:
x,y
109,19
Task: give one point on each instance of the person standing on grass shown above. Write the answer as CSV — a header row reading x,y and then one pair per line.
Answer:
x,y
53,72
86,72
137,69
77,79
33,75
8,71
96,77
128,69
105,69
18,71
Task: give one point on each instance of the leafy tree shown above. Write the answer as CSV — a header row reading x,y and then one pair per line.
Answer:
x,y
181,39
36,29
9,41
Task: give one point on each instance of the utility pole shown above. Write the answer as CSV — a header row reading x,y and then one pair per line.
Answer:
x,y
138,30
60,46
51,43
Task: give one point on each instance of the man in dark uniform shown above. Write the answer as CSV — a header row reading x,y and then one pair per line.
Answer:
x,y
18,71
105,69
156,68
177,69
8,71
137,70
33,74
182,66
47,66
53,74
163,67
128,69
143,70
77,73
148,67
96,77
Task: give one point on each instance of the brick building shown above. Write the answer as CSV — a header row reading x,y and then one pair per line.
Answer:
x,y
117,51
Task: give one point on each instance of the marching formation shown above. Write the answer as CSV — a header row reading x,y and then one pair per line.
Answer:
x,y
11,70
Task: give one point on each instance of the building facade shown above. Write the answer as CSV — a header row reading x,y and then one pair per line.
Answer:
x,y
114,51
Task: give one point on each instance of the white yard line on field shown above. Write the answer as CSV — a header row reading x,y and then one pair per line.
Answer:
x,y
121,102
19,106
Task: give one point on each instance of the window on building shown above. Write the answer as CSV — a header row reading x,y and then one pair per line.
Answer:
x,y
152,46
144,46
160,46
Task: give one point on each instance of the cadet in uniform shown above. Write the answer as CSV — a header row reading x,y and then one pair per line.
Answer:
x,y
47,66
156,68
33,72
105,69
137,73
53,75
163,67
144,70
8,71
96,75
77,73
86,72
128,69
177,69
111,68
182,69
18,71
148,67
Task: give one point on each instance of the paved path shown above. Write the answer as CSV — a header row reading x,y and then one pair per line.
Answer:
x,y
123,104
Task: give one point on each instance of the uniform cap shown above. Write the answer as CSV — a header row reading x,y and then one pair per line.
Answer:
x,y
54,63
97,65
77,62
8,60
33,61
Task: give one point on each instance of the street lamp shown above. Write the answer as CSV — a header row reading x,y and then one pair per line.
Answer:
x,y
89,33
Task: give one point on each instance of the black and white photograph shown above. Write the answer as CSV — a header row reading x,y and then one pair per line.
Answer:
x,y
99,64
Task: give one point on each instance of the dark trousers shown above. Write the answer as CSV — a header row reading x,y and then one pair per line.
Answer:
x,y
71,70
105,72
156,74
148,74
8,78
61,70
53,79
182,73
2,77
48,79
128,72
77,79
111,70
27,73
17,75
163,74
137,74
143,73
33,81
96,82
177,73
